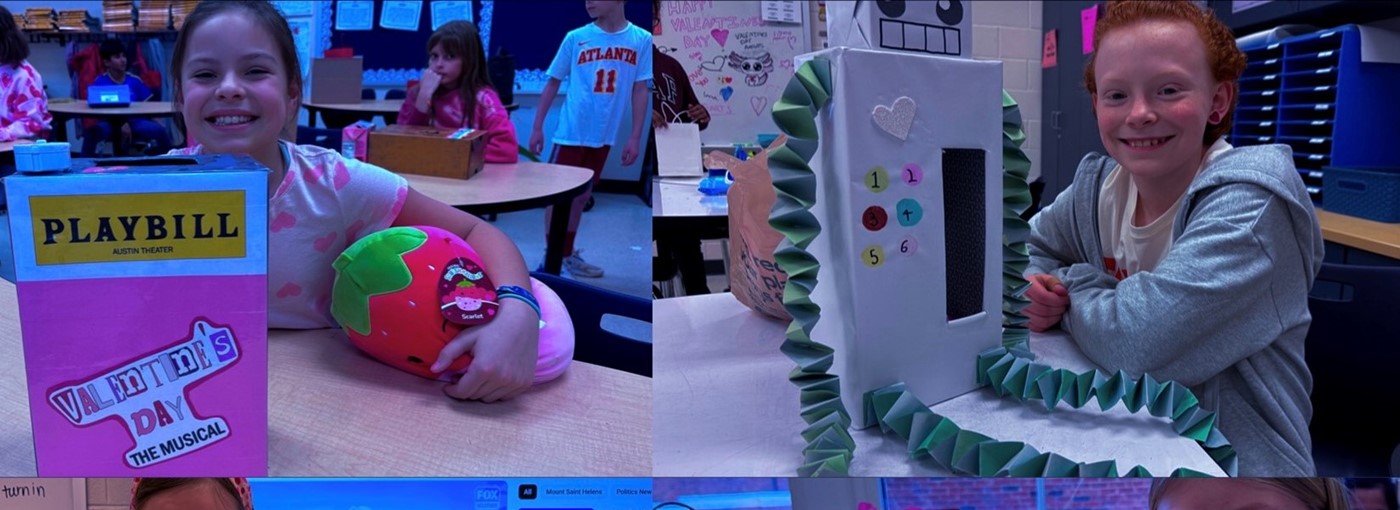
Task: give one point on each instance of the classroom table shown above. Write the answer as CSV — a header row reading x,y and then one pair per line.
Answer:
x,y
679,206
389,108
336,412
63,111
1373,236
724,407
513,187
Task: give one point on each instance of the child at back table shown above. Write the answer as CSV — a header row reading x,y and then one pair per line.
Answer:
x,y
237,98
456,92
1178,255
24,111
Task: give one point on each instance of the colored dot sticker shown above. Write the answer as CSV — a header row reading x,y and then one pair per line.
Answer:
x,y
873,255
877,179
908,212
913,174
874,218
908,245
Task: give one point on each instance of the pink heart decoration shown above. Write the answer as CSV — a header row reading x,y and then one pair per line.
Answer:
x,y
324,243
353,233
721,35
283,220
289,290
341,177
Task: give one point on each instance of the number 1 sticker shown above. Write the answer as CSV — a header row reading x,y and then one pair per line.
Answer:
x,y
877,179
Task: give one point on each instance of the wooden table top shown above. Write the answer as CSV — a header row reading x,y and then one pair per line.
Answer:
x,y
336,412
10,145
141,108
366,105
498,183
1373,236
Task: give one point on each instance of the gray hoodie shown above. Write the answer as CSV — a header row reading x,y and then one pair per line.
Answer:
x,y
1226,310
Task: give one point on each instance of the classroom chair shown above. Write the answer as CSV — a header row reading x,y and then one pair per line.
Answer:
x,y
587,306
328,138
368,94
396,94
1351,350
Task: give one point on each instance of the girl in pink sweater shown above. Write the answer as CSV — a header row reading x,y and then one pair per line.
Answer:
x,y
456,92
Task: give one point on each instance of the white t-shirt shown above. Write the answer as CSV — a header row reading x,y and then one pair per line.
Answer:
x,y
598,69
1128,248
325,203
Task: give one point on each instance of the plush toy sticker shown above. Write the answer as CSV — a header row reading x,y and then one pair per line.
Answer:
x,y
466,293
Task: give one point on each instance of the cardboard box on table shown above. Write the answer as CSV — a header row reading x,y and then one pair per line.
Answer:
x,y
142,288
337,80
909,198
426,150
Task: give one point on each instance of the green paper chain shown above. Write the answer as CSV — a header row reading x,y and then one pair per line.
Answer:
x,y
1016,198
829,442
1011,374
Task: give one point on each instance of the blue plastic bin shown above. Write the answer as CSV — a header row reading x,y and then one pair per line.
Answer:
x,y
42,156
1372,193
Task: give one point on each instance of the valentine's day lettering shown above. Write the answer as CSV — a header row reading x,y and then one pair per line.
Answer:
x,y
149,396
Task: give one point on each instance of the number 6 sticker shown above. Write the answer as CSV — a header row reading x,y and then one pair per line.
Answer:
x,y
908,245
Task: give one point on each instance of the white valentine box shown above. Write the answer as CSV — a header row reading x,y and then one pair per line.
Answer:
x,y
909,199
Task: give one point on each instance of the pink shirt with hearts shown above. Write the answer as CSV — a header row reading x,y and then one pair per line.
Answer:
x,y
324,204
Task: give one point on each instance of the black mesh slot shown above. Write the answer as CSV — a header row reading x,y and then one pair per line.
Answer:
x,y
964,229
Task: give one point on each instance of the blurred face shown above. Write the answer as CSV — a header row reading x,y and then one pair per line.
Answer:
x,y
1370,499
116,64
235,95
203,495
1226,494
449,66
602,8
1155,96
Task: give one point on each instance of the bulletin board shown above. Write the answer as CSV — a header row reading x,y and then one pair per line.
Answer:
x,y
737,62
43,493
396,56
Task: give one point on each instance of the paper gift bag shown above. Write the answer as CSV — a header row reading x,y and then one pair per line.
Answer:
x,y
754,277
142,287
908,197
678,150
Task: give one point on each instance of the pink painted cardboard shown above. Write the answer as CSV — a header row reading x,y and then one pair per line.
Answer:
x,y
153,313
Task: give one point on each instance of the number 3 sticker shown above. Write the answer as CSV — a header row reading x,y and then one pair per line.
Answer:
x,y
873,255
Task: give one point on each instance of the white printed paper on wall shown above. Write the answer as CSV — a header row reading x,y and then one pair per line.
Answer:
x,y
444,12
403,15
354,15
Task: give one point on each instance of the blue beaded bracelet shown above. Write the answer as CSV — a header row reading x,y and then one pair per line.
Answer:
x,y
513,292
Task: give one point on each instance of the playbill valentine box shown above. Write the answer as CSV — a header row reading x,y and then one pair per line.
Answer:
x,y
142,290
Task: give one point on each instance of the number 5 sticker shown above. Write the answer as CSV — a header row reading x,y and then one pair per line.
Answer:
x,y
873,255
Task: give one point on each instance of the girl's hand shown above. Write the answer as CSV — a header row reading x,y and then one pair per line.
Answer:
x,y
504,353
658,121
429,82
1049,300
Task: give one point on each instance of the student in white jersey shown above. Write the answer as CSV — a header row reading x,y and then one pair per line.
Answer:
x,y
605,63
